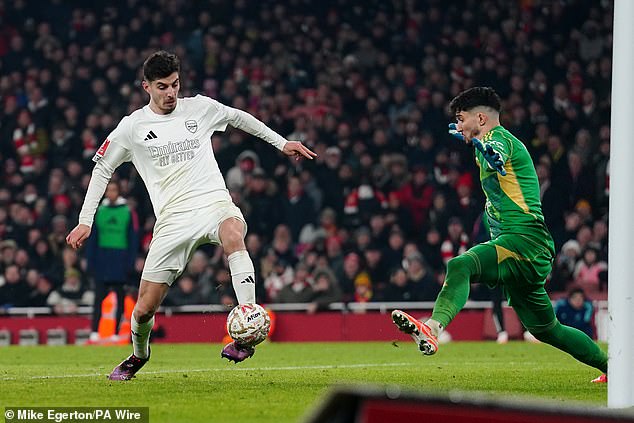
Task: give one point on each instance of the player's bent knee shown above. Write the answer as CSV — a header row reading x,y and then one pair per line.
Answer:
x,y
458,263
144,312
232,235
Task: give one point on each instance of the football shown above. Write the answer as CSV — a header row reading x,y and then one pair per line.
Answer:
x,y
248,324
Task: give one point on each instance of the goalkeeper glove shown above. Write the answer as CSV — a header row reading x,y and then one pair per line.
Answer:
x,y
490,155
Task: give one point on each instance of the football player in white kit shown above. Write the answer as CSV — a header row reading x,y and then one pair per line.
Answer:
x,y
169,143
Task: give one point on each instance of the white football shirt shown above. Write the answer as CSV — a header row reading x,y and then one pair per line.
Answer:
x,y
173,154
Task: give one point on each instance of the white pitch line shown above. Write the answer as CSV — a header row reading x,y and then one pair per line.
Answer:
x,y
235,369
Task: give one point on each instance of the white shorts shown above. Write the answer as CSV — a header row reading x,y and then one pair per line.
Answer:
x,y
177,235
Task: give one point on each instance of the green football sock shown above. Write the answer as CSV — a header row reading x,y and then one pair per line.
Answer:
x,y
577,344
455,291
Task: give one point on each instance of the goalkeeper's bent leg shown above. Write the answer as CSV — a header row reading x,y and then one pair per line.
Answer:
x,y
576,343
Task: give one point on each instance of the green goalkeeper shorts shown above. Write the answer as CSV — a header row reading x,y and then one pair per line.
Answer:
x,y
520,264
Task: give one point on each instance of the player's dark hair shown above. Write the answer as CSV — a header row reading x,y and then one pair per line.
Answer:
x,y
160,64
474,97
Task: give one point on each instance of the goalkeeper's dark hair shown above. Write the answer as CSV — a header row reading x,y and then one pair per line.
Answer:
x,y
160,64
475,97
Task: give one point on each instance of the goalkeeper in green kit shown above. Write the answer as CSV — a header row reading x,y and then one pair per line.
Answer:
x,y
520,253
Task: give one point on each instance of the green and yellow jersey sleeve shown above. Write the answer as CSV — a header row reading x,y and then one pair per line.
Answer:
x,y
512,201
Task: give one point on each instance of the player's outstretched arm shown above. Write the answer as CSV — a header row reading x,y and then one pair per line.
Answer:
x,y
491,156
249,124
298,150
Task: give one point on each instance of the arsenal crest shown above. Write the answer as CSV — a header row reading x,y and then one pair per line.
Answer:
x,y
191,125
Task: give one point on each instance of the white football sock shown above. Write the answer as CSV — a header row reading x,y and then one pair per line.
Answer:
x,y
141,336
436,327
242,276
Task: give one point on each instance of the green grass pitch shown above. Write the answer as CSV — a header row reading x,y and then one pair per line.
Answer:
x,y
284,381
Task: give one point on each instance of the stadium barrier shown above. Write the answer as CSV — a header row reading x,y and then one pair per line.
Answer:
x,y
342,322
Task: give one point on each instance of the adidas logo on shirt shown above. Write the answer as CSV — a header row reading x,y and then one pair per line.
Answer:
x,y
150,136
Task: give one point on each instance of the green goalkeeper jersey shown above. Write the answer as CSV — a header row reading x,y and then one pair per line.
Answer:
x,y
512,201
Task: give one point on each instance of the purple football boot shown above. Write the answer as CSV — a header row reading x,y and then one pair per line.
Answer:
x,y
128,368
237,353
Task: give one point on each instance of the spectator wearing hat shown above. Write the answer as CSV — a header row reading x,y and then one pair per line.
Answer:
x,y
61,205
246,163
354,281
584,209
467,205
328,222
363,202
363,290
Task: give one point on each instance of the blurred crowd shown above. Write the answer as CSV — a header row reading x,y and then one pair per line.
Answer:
x,y
390,199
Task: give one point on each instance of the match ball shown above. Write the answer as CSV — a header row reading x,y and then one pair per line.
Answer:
x,y
248,324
